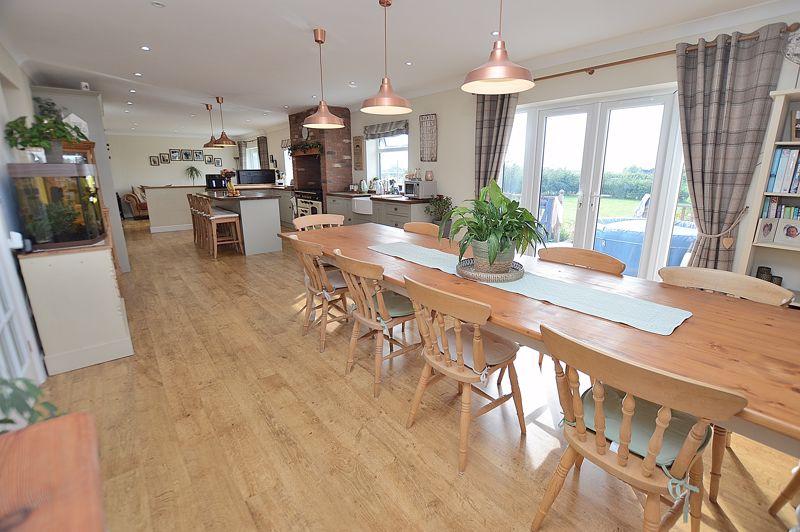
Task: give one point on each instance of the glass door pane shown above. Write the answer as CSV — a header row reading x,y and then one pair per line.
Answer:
x,y
684,232
514,163
623,202
562,166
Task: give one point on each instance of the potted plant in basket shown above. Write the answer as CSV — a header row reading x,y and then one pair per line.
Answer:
x,y
495,227
48,131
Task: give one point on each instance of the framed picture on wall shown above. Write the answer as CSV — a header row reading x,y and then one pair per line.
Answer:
x,y
174,154
209,159
164,158
198,155
218,162
154,160
186,155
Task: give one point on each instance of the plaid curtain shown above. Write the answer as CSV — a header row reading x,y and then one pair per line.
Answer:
x,y
263,152
242,145
493,122
724,104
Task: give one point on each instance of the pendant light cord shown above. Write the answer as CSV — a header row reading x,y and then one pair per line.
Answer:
x,y
500,26
385,42
210,119
321,85
221,118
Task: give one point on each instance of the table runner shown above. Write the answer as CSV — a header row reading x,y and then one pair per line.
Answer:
x,y
640,314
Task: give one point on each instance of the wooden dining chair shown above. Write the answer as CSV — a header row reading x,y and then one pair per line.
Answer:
x,y
326,285
462,352
193,213
222,228
734,285
584,258
378,310
646,427
317,221
787,494
422,228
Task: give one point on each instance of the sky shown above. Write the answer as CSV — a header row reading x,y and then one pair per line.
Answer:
x,y
633,135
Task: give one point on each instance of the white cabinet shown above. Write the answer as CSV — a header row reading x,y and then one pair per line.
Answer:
x,y
77,306
340,205
286,205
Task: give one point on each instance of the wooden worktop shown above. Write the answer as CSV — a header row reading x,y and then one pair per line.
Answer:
x,y
245,195
385,197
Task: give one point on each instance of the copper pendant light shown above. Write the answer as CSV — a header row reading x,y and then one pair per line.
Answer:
x,y
386,102
498,75
223,141
323,118
211,144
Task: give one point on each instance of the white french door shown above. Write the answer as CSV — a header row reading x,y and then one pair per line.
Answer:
x,y
601,176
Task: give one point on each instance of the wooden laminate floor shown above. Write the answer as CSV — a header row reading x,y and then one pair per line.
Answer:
x,y
226,418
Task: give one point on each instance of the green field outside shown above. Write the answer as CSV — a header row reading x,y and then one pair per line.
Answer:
x,y
609,208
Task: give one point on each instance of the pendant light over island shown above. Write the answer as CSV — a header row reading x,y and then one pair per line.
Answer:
x,y
386,102
323,118
498,75
223,141
211,144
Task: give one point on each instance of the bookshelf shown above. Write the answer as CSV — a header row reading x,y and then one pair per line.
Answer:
x,y
783,258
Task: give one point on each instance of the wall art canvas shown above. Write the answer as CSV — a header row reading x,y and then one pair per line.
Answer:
x,y
154,160
174,154
164,158
358,153
209,159
186,155
428,138
198,155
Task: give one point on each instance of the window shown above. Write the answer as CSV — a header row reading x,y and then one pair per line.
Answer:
x,y
252,162
391,158
604,174
511,173
287,167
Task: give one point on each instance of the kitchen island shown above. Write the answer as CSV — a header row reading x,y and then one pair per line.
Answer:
x,y
259,214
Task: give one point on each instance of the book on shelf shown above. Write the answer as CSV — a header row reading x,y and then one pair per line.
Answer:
x,y
775,208
784,176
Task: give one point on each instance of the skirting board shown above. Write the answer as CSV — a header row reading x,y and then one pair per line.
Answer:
x,y
168,228
88,356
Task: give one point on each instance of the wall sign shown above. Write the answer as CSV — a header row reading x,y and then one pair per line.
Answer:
x,y
428,138
358,153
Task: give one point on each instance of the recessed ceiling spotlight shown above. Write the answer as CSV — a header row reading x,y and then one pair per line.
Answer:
x,y
495,33
133,128
129,103
132,91
313,96
193,115
409,63
144,48
136,123
265,114
137,74
127,111
248,120
285,106
352,84
156,3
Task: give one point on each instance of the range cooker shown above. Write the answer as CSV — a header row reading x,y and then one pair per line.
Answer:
x,y
307,202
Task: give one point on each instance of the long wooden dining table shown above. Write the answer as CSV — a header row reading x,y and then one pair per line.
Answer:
x,y
747,347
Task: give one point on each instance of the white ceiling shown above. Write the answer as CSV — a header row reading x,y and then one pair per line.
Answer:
x,y
260,54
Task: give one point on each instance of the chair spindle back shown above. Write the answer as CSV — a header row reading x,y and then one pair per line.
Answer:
x,y
309,254
434,308
729,283
705,402
317,221
584,258
363,285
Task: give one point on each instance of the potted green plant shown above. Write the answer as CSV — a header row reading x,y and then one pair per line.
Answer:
x,y
21,404
305,147
495,227
438,207
192,173
48,131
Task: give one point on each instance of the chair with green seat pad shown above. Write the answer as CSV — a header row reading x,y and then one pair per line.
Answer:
x,y
377,309
643,426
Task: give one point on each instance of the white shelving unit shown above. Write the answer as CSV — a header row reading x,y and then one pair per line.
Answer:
x,y
784,259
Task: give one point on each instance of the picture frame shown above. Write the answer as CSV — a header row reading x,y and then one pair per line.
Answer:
x,y
218,162
198,155
187,154
767,227
358,152
209,159
788,233
165,158
174,154
154,160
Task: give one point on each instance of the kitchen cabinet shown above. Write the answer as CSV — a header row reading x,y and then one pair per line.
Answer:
x,y
392,213
286,206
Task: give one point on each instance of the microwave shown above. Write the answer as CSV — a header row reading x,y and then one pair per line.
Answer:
x,y
420,189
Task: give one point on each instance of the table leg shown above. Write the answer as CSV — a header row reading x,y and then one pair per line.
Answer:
x,y
717,454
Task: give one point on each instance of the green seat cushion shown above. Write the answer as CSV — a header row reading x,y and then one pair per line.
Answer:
x,y
397,305
642,426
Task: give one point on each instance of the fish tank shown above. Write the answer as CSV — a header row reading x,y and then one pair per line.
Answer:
x,y
58,204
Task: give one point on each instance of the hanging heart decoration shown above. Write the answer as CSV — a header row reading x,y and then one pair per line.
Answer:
x,y
727,242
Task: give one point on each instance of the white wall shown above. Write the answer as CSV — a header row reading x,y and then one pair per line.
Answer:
x,y
130,161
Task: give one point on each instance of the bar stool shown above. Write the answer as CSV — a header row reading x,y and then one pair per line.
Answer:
x,y
221,227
